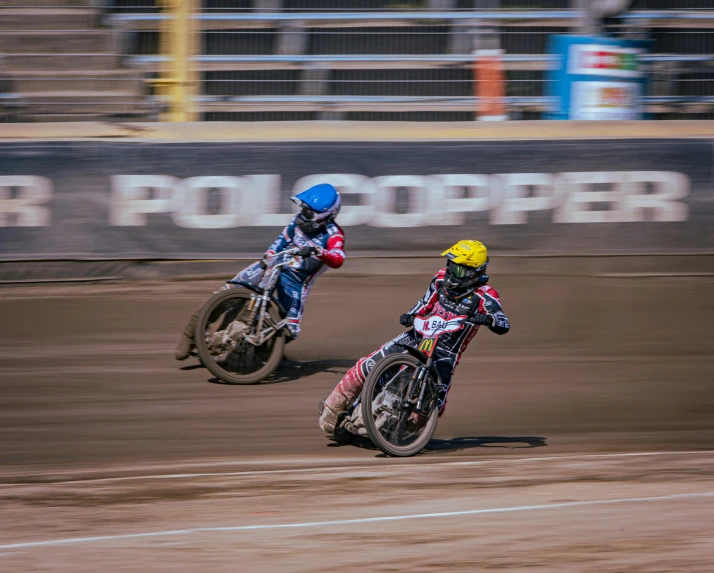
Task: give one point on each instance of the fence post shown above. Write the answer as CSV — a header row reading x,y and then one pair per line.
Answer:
x,y
488,74
179,41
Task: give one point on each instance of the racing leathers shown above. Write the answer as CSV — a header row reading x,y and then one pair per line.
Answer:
x,y
299,275
483,300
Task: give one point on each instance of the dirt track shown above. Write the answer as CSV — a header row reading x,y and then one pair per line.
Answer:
x,y
551,415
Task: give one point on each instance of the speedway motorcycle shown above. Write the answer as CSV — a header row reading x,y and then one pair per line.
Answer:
x,y
398,408
241,331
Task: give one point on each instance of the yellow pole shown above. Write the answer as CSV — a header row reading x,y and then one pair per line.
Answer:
x,y
179,40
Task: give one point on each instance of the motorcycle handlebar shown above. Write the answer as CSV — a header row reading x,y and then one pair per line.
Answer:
x,y
289,252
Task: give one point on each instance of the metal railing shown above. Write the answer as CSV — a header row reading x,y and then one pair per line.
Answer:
x,y
307,6
344,66
487,15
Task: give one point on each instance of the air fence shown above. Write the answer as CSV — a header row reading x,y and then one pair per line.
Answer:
x,y
143,200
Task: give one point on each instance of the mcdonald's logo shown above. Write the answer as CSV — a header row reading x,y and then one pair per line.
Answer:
x,y
427,346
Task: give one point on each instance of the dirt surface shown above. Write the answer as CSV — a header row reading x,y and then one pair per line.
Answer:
x,y
580,442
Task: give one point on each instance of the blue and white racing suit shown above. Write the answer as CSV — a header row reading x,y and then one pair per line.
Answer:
x,y
299,275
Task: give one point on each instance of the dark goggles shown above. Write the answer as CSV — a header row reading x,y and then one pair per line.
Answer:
x,y
307,214
461,271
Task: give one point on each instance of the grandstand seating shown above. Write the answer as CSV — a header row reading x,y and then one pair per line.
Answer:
x,y
358,59
60,63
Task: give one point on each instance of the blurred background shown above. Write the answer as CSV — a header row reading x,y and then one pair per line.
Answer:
x,y
284,60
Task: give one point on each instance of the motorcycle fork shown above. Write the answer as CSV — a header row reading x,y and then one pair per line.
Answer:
x,y
262,305
253,306
422,391
415,388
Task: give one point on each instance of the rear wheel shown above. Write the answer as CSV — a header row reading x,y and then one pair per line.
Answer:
x,y
392,423
221,345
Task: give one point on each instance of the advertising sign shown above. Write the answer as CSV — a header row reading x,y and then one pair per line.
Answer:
x,y
597,78
112,200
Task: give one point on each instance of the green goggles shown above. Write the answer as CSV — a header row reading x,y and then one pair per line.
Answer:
x,y
461,271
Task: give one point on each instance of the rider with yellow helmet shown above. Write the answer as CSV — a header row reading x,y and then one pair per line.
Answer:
x,y
458,289
465,267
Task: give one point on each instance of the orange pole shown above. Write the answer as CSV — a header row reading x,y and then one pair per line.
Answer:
x,y
489,85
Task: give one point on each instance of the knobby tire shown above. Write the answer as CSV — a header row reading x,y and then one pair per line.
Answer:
x,y
368,417
208,359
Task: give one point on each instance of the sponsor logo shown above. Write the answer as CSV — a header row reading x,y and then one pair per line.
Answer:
x,y
427,346
22,201
443,312
300,240
254,271
428,200
602,60
436,325
605,100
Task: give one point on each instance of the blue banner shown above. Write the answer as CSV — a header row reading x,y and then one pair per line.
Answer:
x,y
597,78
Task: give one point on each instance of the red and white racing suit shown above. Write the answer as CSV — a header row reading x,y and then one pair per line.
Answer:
x,y
483,300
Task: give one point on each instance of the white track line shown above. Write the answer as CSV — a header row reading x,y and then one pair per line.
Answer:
x,y
383,468
78,540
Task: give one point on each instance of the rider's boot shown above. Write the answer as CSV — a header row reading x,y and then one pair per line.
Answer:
x,y
187,343
292,332
331,410
336,403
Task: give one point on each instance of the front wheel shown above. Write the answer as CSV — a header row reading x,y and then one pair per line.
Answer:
x,y
220,343
392,423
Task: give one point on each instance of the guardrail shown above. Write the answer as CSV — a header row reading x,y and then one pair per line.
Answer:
x,y
406,103
423,16
366,58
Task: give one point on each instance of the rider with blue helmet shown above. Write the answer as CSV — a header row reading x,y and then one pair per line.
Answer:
x,y
321,242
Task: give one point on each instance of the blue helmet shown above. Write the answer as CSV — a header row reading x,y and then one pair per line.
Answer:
x,y
319,205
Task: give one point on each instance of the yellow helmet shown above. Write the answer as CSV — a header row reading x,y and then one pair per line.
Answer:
x,y
467,253
466,267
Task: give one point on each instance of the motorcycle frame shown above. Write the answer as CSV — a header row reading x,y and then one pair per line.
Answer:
x,y
260,301
416,384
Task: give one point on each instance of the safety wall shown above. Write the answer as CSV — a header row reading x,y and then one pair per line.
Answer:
x,y
90,199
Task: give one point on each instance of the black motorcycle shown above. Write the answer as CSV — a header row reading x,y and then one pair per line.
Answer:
x,y
398,408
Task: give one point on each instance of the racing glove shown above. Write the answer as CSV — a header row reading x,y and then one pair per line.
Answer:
x,y
308,251
406,319
485,319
